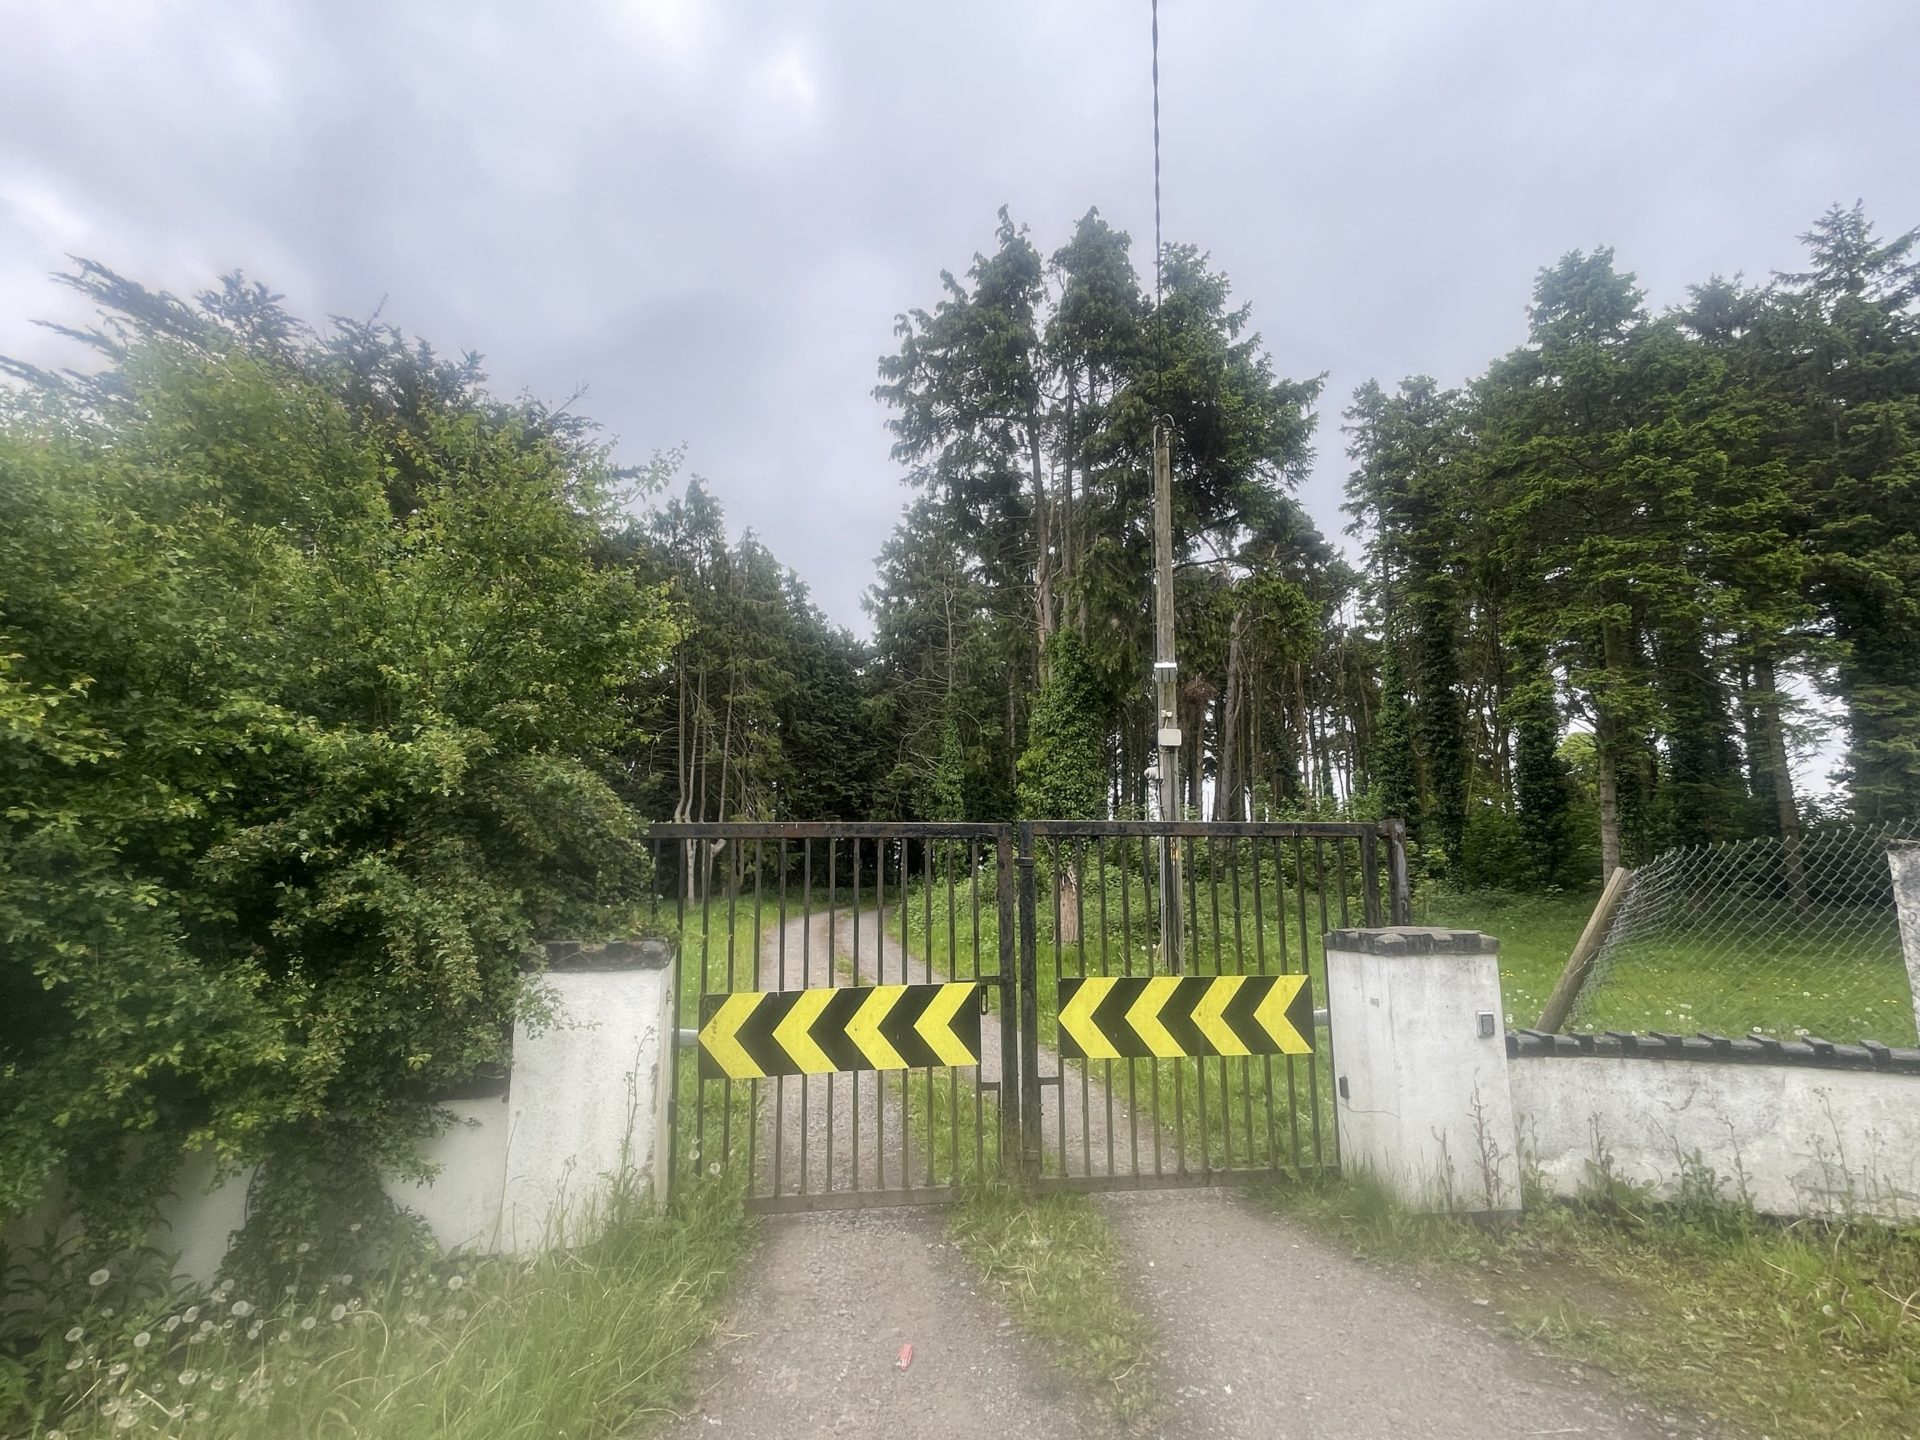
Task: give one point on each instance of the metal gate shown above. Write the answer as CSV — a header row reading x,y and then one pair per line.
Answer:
x,y
884,1012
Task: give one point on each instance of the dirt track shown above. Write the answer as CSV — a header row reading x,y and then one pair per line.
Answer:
x,y
1265,1330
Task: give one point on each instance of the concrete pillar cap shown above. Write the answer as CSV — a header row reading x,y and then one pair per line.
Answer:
x,y
1413,940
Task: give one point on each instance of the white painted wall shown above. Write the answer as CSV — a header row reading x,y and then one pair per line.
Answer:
x,y
1421,1092
588,1103
1810,1141
461,1204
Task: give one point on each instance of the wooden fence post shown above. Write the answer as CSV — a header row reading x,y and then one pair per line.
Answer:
x,y
1580,963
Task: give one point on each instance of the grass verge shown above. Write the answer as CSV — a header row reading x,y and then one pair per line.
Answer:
x,y
1052,1258
1810,1329
581,1343
1056,1264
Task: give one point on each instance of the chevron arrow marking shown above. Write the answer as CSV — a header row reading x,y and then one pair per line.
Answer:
x,y
1272,1016
1144,1016
1078,1025
864,1028
794,1033
935,1025
718,1037
1209,1016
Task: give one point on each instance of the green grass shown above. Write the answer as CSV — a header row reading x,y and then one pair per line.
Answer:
x,y
1809,1329
1760,971
589,1342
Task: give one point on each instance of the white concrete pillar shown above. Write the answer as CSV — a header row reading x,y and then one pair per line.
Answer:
x,y
1420,1066
587,1108
1904,861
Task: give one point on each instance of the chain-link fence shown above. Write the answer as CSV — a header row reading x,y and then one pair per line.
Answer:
x,y
1784,937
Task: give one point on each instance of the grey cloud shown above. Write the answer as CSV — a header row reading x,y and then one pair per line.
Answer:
x,y
709,213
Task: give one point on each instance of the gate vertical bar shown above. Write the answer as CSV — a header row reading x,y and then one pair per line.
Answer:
x,y
1031,1142
1370,879
1013,1079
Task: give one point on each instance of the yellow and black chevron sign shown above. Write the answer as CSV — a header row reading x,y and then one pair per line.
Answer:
x,y
1168,1016
753,1034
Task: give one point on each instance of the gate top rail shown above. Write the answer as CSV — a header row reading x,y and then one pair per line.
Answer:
x,y
978,830
1213,829
824,830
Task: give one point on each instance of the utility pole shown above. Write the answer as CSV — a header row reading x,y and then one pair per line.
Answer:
x,y
1166,685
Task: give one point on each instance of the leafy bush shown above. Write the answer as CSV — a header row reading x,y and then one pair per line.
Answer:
x,y
310,668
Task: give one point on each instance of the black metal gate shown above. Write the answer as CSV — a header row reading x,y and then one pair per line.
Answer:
x,y
884,1012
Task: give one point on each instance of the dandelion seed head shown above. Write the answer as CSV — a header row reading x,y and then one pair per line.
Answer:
x,y
99,1277
74,1334
142,1340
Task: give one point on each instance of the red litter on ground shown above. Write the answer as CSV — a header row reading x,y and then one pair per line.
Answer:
x,y
906,1358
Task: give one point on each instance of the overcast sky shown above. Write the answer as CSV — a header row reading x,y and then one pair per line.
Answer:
x,y
709,214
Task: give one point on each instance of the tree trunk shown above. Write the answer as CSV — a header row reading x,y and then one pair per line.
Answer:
x,y
1229,783
1609,786
1042,545
1068,552
1606,744
1773,734
1066,889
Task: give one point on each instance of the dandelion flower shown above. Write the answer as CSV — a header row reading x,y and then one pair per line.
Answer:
x,y
99,1277
74,1334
